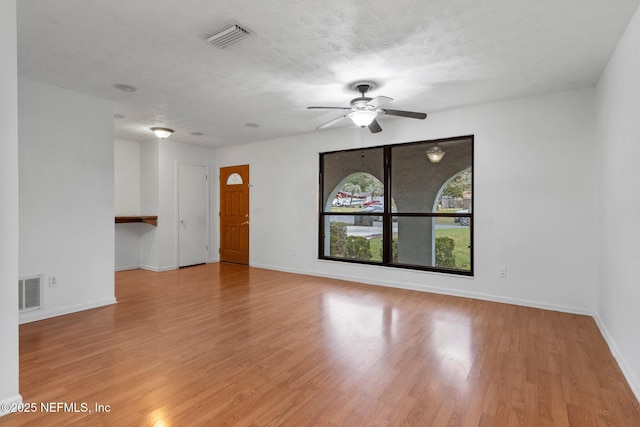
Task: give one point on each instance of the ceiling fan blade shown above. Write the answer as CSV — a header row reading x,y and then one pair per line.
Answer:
x,y
374,126
410,114
328,108
329,123
379,101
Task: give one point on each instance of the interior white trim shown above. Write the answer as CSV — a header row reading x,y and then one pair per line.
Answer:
x,y
627,371
128,267
158,269
10,401
34,316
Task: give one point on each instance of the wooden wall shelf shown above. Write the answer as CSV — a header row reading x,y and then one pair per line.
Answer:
x,y
151,220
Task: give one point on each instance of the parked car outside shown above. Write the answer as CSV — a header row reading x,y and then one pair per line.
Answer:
x,y
378,209
374,209
462,220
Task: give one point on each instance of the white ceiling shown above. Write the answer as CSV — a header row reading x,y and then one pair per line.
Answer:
x,y
428,55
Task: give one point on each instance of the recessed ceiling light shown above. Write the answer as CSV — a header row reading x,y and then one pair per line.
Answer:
x,y
252,125
197,133
125,88
118,116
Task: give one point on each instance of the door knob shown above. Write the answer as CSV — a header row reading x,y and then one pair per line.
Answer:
x,y
245,223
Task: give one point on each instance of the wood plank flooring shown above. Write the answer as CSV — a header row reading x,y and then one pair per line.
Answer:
x,y
223,344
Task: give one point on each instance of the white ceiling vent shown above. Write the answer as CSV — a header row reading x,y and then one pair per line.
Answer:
x,y
226,36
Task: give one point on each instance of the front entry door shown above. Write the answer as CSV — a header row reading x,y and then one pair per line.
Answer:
x,y
234,214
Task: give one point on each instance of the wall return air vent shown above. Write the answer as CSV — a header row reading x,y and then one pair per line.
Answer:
x,y
29,290
227,36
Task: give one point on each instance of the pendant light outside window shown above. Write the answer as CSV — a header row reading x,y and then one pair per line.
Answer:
x,y
363,118
435,154
163,133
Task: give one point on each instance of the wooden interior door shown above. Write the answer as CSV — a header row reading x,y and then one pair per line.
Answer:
x,y
234,214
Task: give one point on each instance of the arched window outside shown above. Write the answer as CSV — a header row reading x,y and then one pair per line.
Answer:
x,y
452,243
357,232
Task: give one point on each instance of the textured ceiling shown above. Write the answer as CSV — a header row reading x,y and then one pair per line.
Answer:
x,y
427,55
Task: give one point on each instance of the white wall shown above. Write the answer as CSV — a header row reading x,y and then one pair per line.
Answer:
x,y
171,152
618,103
66,156
158,245
149,193
127,245
127,203
127,177
8,205
534,200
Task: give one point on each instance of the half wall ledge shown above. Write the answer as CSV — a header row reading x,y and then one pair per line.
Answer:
x,y
151,220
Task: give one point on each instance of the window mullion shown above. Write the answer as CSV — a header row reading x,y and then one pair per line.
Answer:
x,y
387,234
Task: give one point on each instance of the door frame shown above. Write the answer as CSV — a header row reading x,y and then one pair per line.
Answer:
x,y
177,209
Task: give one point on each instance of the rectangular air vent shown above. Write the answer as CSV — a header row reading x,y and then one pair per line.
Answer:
x,y
227,36
29,289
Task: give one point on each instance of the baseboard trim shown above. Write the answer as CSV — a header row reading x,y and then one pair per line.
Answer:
x,y
129,267
157,269
11,401
437,290
34,316
626,369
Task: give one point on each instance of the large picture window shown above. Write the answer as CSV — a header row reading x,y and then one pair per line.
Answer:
x,y
396,206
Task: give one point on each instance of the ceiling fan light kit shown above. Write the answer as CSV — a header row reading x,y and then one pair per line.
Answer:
x,y
365,110
363,118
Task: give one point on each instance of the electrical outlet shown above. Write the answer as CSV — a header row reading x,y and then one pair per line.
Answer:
x,y
53,281
502,272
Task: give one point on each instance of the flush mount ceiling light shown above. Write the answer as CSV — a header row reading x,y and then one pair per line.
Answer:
x,y
163,133
435,154
227,36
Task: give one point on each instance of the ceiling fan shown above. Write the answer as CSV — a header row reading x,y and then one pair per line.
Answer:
x,y
364,110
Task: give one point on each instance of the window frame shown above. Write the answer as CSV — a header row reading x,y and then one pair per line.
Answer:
x,y
387,215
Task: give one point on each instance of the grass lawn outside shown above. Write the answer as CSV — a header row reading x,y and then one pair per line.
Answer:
x,y
461,237
462,240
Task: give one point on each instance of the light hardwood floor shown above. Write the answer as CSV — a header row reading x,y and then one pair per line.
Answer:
x,y
224,344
